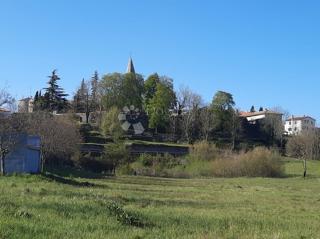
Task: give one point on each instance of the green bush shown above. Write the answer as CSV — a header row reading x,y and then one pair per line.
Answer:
x,y
146,160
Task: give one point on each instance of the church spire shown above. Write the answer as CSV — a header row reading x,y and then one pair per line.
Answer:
x,y
130,67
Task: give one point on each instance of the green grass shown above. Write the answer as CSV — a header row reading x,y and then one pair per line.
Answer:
x,y
70,207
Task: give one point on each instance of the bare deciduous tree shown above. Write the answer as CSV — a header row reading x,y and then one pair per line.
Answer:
x,y
190,104
273,125
8,139
8,131
5,98
59,135
305,146
206,120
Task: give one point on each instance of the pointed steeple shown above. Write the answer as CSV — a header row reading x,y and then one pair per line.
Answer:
x,y
130,67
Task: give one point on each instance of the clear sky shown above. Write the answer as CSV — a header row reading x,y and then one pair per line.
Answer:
x,y
264,52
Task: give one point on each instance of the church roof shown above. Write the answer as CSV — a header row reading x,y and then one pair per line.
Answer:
x,y
130,67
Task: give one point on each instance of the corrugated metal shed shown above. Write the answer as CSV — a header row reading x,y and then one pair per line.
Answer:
x,y
26,156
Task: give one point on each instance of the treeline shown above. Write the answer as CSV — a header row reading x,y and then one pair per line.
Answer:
x,y
164,114
179,116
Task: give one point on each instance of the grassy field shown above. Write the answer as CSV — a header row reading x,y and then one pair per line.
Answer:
x,y
53,206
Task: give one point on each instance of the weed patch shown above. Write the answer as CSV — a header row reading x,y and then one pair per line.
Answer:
x,y
124,217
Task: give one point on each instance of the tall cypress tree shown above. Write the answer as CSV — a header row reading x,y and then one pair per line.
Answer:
x,y
94,92
79,99
55,96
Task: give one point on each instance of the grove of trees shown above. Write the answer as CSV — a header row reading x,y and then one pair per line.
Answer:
x,y
168,115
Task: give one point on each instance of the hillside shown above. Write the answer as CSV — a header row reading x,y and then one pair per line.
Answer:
x,y
54,206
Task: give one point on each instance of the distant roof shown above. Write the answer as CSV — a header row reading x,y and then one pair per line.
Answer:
x,y
130,67
3,110
300,118
249,114
26,99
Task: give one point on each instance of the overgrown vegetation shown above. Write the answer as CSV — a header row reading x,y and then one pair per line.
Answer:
x,y
206,160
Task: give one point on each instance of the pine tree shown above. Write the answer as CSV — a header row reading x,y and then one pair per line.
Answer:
x,y
252,110
55,97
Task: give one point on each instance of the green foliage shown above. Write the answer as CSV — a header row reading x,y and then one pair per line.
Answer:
x,y
222,101
123,216
110,125
150,88
146,160
132,90
116,154
54,98
158,107
81,98
21,213
94,96
223,113
121,90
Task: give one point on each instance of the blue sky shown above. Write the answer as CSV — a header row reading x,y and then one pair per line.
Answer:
x,y
264,52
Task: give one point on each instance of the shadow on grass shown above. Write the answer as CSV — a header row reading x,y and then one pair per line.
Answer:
x,y
76,173
69,181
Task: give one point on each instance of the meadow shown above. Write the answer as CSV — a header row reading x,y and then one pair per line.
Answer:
x,y
65,205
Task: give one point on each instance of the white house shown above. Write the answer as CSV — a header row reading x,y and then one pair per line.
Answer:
x,y
297,125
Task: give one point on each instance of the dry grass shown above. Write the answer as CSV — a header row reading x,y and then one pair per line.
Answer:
x,y
204,151
259,162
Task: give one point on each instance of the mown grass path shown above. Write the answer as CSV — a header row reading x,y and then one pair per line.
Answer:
x,y
67,207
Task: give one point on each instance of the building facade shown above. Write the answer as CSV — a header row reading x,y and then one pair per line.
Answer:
x,y
26,156
25,105
298,125
254,117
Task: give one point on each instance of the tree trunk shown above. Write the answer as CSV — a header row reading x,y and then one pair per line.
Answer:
x,y
42,162
304,168
87,117
2,165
